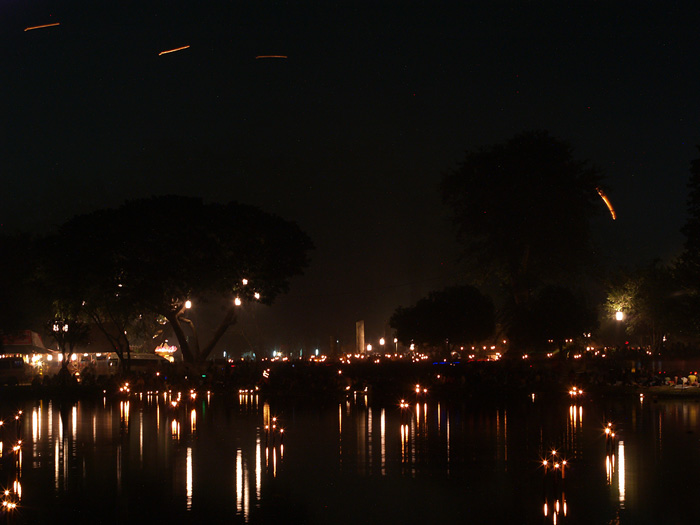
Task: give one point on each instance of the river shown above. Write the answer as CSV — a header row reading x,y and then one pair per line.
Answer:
x,y
184,458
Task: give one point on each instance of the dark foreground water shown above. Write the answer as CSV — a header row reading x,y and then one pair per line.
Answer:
x,y
211,460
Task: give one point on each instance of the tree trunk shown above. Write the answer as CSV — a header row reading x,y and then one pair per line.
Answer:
x,y
174,321
229,320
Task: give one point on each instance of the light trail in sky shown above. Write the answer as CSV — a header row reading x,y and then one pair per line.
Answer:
x,y
270,56
172,50
42,26
607,202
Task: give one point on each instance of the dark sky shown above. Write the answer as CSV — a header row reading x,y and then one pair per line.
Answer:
x,y
350,134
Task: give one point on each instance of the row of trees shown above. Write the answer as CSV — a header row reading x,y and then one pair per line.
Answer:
x,y
132,271
522,211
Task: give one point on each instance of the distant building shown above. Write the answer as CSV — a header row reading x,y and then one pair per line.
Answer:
x,y
360,337
23,343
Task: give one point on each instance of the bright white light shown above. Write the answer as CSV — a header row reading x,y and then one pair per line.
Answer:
x,y
256,295
382,341
244,281
619,315
188,304
237,301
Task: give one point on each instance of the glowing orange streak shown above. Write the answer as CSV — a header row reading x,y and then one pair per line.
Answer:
x,y
607,202
41,27
271,56
172,50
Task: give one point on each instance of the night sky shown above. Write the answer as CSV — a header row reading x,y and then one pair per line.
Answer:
x,y
350,134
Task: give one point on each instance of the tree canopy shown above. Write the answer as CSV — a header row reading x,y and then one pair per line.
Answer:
x,y
22,303
453,316
522,211
554,315
151,256
652,302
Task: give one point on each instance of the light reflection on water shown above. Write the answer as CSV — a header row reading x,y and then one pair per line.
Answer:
x,y
212,456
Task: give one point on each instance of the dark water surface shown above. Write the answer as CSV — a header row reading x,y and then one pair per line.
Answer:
x,y
210,459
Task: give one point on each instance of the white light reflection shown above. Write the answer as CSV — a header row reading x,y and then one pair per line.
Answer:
x,y
193,421
621,473
447,422
404,442
413,449
340,434
189,478
124,412
35,425
274,462
239,481
382,440
74,418
369,437
258,471
56,465
50,421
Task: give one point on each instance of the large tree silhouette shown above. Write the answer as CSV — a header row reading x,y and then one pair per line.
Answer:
x,y
152,256
522,210
459,315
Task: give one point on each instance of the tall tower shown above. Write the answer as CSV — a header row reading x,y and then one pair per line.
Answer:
x,y
360,337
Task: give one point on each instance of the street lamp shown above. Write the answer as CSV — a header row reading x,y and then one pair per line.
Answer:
x,y
188,304
619,316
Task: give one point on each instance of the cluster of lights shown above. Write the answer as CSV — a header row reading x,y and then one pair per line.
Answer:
x,y
7,501
555,464
237,301
575,392
609,433
272,430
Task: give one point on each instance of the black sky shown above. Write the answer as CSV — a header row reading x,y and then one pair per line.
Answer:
x,y
350,134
